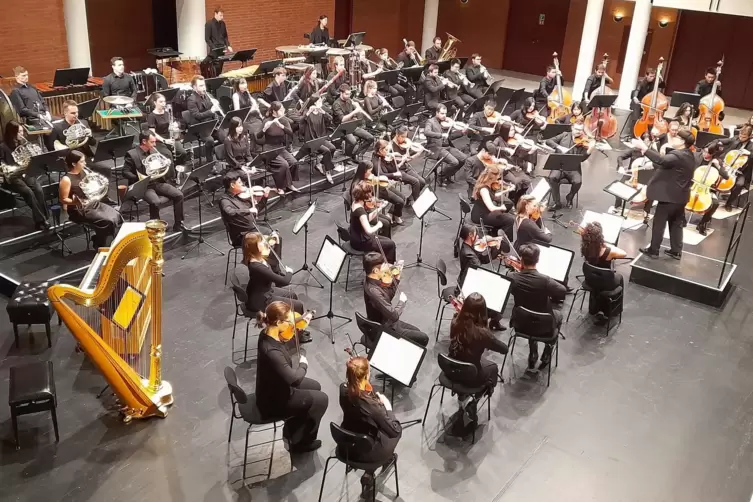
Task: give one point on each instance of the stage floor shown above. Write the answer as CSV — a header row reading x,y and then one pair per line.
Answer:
x,y
660,410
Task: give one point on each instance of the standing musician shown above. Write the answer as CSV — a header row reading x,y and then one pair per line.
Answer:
x,y
379,289
432,53
575,142
710,155
237,145
159,123
477,75
644,87
134,170
387,64
284,167
596,252
546,87
333,91
119,83
103,219
403,146
576,113
365,173
433,86
387,173
437,132
409,55
670,186
485,210
469,257
459,91
368,413
239,211
243,99
284,391
363,234
703,87
201,109
320,34
215,36
594,82
57,138
742,142
315,120
23,184
528,223
344,110
27,100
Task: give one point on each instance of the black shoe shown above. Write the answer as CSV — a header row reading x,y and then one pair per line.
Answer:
x,y
531,366
304,337
178,227
496,326
555,207
673,254
43,226
306,448
601,319
728,207
647,251
702,228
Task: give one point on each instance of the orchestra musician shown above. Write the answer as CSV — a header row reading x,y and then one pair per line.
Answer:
x,y
284,391
458,92
372,103
528,223
23,184
477,75
239,211
345,109
27,100
320,34
134,170
119,83
593,82
201,109
215,36
528,116
100,217
159,123
670,186
284,167
368,413
237,145
369,69
363,234
432,53
57,139
742,142
710,155
686,116
575,142
386,168
307,86
650,138
704,86
522,154
409,150
666,140
437,132
365,173
389,64
333,91
644,87
254,121
546,87
378,295
409,55
277,89
476,164
433,87
315,120
576,113
485,209
485,123
596,252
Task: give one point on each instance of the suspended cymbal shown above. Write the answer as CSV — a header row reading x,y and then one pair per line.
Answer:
x,y
118,100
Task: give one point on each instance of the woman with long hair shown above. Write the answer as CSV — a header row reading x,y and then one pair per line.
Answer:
x,y
369,413
385,166
282,390
237,145
685,114
364,172
596,252
364,235
517,156
159,123
528,223
315,120
284,167
485,209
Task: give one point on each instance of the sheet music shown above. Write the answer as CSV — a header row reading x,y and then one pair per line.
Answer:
x,y
330,260
621,190
397,358
304,218
493,287
611,225
424,202
541,190
554,262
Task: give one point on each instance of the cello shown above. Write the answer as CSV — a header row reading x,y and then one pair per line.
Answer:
x,y
560,100
704,178
654,105
711,106
601,124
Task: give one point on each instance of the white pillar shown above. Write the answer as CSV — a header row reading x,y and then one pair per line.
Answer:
x,y
634,53
192,16
77,34
588,40
431,13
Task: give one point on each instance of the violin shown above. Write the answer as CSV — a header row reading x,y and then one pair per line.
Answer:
x,y
382,180
535,118
560,100
654,106
295,322
584,141
257,192
481,244
711,106
601,123
390,272
271,241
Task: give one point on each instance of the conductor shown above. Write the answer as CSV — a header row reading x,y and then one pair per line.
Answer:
x,y
670,187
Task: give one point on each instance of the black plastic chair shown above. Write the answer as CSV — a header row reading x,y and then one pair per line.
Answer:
x,y
444,293
348,442
343,235
465,210
234,249
370,331
592,282
244,407
534,327
454,371
240,297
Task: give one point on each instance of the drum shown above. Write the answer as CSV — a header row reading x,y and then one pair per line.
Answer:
x,y
333,53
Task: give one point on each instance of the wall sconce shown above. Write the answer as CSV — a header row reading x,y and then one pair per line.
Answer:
x,y
618,17
663,22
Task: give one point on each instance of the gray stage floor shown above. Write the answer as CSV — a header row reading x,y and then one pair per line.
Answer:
x,y
661,410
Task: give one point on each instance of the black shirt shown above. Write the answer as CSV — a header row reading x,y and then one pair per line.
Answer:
x,y
378,300
274,136
546,87
215,34
645,87
475,75
276,92
703,88
342,108
373,106
122,85
160,122
6,155
275,376
406,59
133,164
315,124
357,233
592,83
367,415
432,54
319,35
483,341
333,91
566,140
237,217
434,134
469,258
529,231
199,107
237,150
535,291
261,279
58,131
28,101
672,177
432,88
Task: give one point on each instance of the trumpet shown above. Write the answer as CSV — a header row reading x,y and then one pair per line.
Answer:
x,y
448,83
463,79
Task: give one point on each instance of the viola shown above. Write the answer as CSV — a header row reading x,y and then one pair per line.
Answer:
x,y
481,245
381,180
560,100
601,123
257,192
390,272
711,106
654,106
295,322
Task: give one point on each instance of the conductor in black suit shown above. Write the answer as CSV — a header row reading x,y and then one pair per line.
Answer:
x,y
670,187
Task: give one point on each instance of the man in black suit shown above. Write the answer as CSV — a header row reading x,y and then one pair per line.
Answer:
x,y
433,87
670,187
201,109
239,214
470,258
134,170
27,100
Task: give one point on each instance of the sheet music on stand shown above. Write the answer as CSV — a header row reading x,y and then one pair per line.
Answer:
x,y
424,202
330,259
397,357
495,288
541,190
611,225
554,262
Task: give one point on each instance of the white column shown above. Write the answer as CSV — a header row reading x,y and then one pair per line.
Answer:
x,y
431,13
192,16
634,53
588,40
77,34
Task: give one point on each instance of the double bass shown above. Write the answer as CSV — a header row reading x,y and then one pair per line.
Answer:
x,y
560,100
601,123
654,106
711,106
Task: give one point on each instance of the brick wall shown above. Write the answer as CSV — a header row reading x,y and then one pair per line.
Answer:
x,y
33,36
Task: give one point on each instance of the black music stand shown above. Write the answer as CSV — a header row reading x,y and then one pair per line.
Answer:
x,y
678,98
552,130
602,101
703,138
242,114
268,66
244,56
516,96
410,110
354,39
329,262
214,83
169,94
199,176
413,74
137,191
49,162
111,149
66,77
389,118
311,148
562,162
389,77
622,191
86,108
303,223
201,130
421,207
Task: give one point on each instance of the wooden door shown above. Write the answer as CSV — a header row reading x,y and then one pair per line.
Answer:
x,y
536,29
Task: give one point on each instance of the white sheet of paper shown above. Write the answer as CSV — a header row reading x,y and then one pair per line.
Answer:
x,y
611,225
562,149
622,190
396,357
304,218
330,260
494,288
541,190
424,202
554,262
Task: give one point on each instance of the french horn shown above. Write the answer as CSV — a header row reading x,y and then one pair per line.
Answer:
x,y
77,135
22,156
94,186
156,165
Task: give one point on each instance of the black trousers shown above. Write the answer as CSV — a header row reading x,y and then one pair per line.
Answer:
x,y
286,296
741,182
284,169
394,198
498,220
357,142
327,150
390,250
410,332
306,407
674,215
412,178
28,188
103,219
600,302
710,211
556,177
152,195
533,347
177,152
453,160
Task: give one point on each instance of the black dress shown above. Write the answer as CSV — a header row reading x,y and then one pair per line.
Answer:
x,y
362,241
498,220
160,122
103,219
598,301
262,288
284,167
237,151
367,415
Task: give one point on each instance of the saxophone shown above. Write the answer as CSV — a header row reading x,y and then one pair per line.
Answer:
x,y
22,156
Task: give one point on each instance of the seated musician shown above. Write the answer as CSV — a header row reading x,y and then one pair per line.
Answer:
x,y
596,252
704,86
433,87
517,156
315,120
459,93
644,87
284,167
386,171
650,137
409,150
469,257
574,142
477,75
119,83
409,55
744,141
57,139
485,123
389,64
740,126
686,116
365,173
135,170
237,145
307,86
336,81
284,391
528,117
21,183
364,234
536,292
27,100
372,103
369,413
101,218
485,209
237,209
710,155
159,123
432,53
452,158
369,69
593,82
547,85
201,109
345,109
320,34
576,113
378,295
528,223
243,99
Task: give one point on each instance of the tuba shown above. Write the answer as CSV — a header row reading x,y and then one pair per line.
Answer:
x,y
156,165
77,135
448,49
22,156
94,186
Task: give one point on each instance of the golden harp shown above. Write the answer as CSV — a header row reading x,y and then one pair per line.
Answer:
x,y
119,323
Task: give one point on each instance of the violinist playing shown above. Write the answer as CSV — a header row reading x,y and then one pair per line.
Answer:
x,y
518,156
364,235
529,117
528,223
576,113
744,141
485,123
438,131
710,155
485,210
594,82
409,150
365,172
386,165
650,138
644,87
575,142
238,208
379,290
